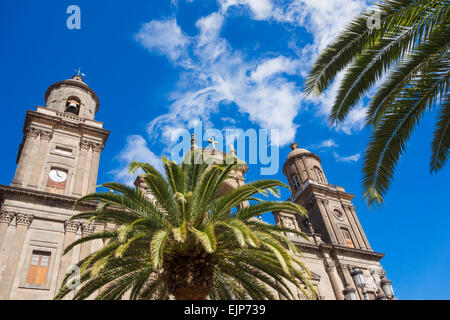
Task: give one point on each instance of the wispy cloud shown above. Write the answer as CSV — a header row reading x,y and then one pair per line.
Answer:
x,y
259,87
217,74
136,149
352,158
329,143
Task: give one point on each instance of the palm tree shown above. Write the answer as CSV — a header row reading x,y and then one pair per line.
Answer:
x,y
409,52
192,242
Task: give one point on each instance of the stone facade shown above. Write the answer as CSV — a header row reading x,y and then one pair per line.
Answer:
x,y
58,161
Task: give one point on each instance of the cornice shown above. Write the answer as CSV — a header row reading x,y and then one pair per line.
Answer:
x,y
45,198
337,249
59,123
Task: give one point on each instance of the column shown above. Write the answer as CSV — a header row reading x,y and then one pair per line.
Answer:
x,y
361,231
79,173
96,150
38,162
331,271
5,219
24,161
23,221
70,229
85,250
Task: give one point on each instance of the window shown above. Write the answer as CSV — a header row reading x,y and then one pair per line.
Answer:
x,y
73,105
319,175
57,179
338,214
296,182
37,273
63,151
347,238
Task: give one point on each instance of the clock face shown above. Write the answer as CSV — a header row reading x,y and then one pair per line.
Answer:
x,y
58,175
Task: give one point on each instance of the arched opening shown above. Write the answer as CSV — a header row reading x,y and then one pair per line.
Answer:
x,y
318,174
73,105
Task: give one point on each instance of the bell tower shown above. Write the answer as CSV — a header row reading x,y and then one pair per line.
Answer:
x,y
331,212
62,141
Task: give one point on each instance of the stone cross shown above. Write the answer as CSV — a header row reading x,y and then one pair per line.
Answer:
x,y
213,142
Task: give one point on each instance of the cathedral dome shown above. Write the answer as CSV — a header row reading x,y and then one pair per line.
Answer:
x,y
296,151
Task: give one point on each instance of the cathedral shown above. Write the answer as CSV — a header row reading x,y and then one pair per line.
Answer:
x,y
58,161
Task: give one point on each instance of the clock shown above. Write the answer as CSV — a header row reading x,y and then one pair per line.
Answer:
x,y
58,175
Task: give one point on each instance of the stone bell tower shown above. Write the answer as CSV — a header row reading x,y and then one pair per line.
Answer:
x,y
57,162
62,142
336,247
331,211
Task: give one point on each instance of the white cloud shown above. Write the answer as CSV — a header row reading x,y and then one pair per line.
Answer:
x,y
136,149
330,143
218,74
164,37
261,9
352,158
215,74
323,20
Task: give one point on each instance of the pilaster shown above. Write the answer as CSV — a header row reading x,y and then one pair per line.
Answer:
x,y
80,170
5,220
97,148
23,221
70,229
30,135
86,229
38,162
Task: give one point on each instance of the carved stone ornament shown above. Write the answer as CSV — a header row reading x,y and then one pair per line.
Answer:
x,y
71,226
84,144
46,135
87,229
288,223
31,132
24,219
6,216
97,146
329,266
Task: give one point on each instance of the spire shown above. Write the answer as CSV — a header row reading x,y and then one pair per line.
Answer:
x,y
294,146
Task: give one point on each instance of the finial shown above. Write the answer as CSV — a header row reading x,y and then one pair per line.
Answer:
x,y
294,146
79,73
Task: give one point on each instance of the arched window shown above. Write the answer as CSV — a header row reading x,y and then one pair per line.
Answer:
x,y
296,182
319,174
347,237
73,105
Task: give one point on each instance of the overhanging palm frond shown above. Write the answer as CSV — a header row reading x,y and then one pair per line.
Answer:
x,y
357,37
441,139
411,46
390,136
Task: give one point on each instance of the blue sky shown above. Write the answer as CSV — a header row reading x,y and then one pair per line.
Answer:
x,y
159,66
